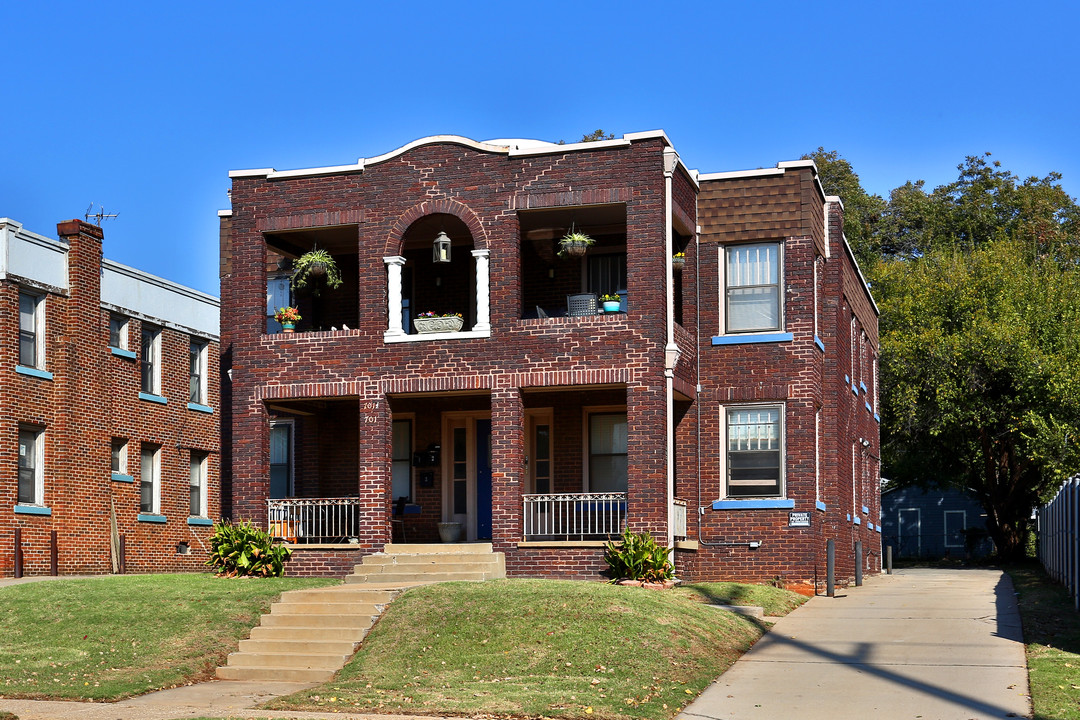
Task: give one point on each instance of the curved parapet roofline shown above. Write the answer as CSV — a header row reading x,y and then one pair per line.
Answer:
x,y
502,146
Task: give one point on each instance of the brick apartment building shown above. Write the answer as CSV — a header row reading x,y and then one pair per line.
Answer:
x,y
109,410
727,406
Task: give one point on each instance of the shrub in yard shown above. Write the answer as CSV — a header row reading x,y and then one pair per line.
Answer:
x,y
637,556
243,549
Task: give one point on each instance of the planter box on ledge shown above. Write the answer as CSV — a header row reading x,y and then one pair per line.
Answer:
x,y
437,324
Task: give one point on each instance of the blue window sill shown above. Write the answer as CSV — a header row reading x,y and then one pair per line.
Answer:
x,y
199,521
855,390
121,477
877,417
33,372
121,352
878,528
151,518
821,345
32,510
153,398
849,517
199,407
865,510
744,339
846,380
862,387
868,408
857,520
820,506
869,525
777,504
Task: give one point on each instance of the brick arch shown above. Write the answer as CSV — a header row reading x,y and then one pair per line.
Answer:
x,y
431,207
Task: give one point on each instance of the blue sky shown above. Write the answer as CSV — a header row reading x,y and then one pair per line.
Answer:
x,y
143,108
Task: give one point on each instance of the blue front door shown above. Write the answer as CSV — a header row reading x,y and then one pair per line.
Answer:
x,y
483,479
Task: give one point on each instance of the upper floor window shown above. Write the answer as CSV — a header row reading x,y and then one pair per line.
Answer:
x,y
31,327
754,457
607,275
752,288
151,360
119,456
31,451
118,331
197,371
278,295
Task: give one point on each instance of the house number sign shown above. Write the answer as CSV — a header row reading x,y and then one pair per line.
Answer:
x,y
798,519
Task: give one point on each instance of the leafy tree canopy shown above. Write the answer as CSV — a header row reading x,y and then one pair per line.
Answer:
x,y
978,282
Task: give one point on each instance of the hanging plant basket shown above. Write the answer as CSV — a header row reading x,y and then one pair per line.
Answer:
x,y
317,270
574,244
677,262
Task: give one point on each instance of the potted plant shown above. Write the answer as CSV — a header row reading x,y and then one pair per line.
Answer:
x,y
313,268
677,261
288,317
611,302
574,244
432,322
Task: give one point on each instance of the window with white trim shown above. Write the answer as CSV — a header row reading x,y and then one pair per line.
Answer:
x,y
955,525
197,492
150,480
151,360
118,331
608,466
31,462
31,330
401,459
753,301
119,456
197,371
754,455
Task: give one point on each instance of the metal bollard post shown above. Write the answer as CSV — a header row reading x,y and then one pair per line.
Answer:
x,y
858,563
888,559
830,568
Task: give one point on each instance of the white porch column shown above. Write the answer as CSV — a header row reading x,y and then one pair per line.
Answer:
x,y
394,263
483,291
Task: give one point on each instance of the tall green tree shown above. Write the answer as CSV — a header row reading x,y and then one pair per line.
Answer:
x,y
980,353
979,290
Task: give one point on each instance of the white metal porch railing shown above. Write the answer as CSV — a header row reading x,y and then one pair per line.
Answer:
x,y
313,520
678,519
574,516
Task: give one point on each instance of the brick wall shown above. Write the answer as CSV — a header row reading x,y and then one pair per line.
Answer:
x,y
92,398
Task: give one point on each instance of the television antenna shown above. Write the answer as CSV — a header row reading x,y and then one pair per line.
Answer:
x,y
99,215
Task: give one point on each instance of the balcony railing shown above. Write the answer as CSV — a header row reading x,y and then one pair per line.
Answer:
x,y
678,519
313,520
575,516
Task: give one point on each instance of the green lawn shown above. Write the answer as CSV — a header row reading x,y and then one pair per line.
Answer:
x,y
532,648
1052,636
113,637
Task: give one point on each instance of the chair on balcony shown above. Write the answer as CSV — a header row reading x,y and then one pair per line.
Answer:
x,y
582,304
398,518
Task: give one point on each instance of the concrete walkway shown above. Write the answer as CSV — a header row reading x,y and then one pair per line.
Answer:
x,y
922,643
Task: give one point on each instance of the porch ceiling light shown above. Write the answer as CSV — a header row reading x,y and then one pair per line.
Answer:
x,y
441,249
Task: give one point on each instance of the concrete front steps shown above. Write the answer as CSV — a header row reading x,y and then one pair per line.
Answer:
x,y
428,563
308,635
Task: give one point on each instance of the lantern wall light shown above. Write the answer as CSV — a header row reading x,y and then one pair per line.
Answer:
x,y
441,248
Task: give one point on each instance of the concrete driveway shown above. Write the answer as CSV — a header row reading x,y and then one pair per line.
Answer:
x,y
922,643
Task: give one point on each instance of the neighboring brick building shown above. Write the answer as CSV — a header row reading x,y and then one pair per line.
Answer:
x,y
109,410
721,415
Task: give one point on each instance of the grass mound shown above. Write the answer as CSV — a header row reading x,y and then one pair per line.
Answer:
x,y
533,648
114,637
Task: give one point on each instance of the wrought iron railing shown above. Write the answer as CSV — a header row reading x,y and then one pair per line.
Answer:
x,y
678,519
574,516
313,520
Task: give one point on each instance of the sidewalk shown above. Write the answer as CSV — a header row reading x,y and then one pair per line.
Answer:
x,y
922,643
